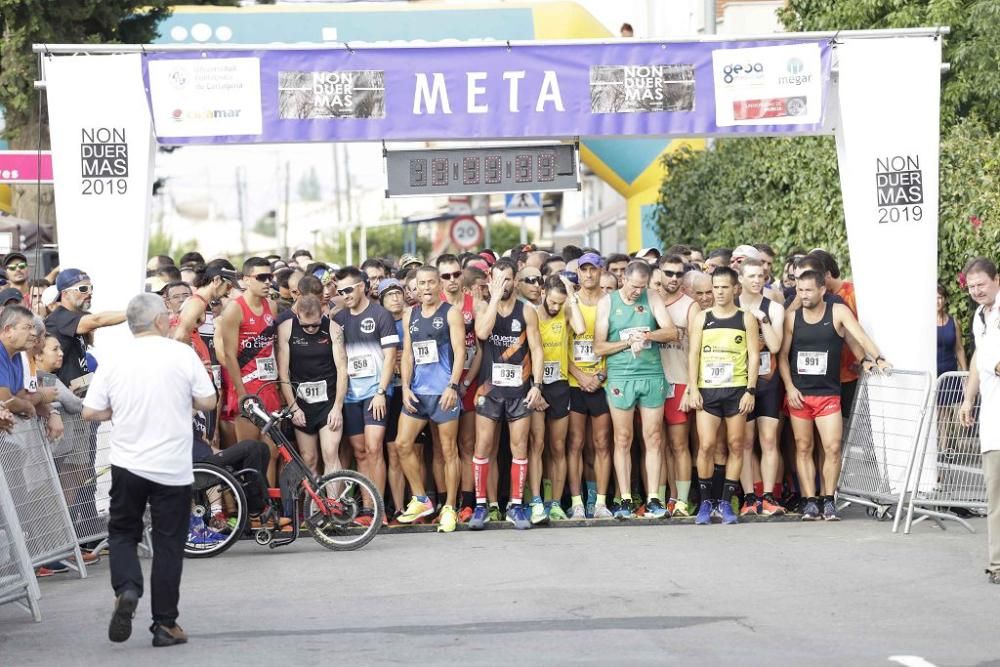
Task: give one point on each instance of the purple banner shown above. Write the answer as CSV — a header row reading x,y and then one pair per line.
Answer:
x,y
489,92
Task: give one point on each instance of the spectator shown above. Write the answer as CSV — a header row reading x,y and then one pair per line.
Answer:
x,y
950,348
16,336
626,30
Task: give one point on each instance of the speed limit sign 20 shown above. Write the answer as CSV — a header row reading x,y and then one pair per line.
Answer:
x,y
466,232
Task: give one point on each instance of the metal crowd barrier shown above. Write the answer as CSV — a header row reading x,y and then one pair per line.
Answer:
x,y
81,457
17,579
34,484
948,470
882,438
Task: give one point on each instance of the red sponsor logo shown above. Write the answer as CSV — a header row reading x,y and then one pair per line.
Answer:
x,y
775,107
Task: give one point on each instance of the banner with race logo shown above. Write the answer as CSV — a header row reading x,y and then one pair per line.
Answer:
x,y
102,158
489,91
888,146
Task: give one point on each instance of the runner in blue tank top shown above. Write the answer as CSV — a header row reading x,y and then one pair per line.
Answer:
x,y
433,356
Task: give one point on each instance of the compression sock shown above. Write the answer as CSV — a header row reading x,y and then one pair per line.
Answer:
x,y
777,490
576,500
705,489
758,489
683,490
518,474
480,473
728,490
468,498
547,490
591,487
718,477
602,499
442,498
536,500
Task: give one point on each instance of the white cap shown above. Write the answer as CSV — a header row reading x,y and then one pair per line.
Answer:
x,y
49,295
645,251
747,251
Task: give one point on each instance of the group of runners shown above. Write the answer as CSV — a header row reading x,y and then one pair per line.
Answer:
x,y
653,385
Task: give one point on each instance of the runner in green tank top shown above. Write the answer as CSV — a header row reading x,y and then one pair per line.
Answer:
x,y
629,322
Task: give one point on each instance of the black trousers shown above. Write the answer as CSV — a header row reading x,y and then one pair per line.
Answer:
x,y
170,510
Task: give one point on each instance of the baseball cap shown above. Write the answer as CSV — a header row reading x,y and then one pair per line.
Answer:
x,y
69,277
406,260
155,284
14,255
10,294
645,251
489,258
387,285
747,251
591,258
226,274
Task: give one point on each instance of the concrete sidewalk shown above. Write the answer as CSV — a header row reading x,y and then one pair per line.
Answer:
x,y
765,594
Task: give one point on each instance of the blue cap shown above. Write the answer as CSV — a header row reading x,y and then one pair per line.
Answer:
x,y
386,285
591,258
70,277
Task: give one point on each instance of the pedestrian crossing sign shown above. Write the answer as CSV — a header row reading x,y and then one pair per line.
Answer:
x,y
522,204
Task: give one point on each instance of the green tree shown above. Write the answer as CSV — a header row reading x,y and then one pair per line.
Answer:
x,y
382,242
161,243
505,235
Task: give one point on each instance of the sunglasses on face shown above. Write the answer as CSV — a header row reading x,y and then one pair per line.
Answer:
x,y
263,277
451,276
310,327
83,289
17,266
532,280
346,290
673,274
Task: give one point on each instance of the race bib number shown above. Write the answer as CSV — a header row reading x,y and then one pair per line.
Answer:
x,y
425,352
217,376
721,373
583,352
551,372
765,363
811,363
267,368
361,367
506,375
470,354
313,392
626,334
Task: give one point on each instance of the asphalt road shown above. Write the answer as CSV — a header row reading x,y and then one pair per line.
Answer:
x,y
763,594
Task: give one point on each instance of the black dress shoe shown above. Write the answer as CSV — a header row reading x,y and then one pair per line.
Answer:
x,y
120,628
167,635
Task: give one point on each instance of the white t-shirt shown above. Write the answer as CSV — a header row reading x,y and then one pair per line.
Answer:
x,y
987,337
149,384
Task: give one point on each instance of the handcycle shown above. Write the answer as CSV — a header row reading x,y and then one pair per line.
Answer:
x,y
219,509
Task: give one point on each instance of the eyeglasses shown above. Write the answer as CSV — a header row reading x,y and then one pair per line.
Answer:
x,y
346,290
451,276
532,280
17,266
263,277
672,274
83,289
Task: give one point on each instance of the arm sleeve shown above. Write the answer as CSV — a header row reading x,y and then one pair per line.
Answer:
x,y
387,330
97,393
70,402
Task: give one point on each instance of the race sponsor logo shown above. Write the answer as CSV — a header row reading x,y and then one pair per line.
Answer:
x,y
437,322
781,107
206,97
515,326
331,95
641,88
367,325
745,73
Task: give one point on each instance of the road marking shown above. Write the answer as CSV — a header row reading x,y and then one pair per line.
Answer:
x,y
911,661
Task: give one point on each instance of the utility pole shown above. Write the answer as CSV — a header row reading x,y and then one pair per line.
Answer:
x,y
240,188
284,231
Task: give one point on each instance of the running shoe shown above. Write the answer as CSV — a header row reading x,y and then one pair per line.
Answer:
x,y
671,504
517,516
728,515
219,523
681,509
993,577
640,510
656,510
811,511
625,511
705,511
494,513
448,520
364,518
716,516
538,514
556,512
770,508
749,506
577,513
480,517
602,512
417,509
465,514
43,571
205,538
830,511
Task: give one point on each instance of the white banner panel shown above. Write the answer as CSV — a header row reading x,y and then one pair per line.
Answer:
x,y
888,146
102,162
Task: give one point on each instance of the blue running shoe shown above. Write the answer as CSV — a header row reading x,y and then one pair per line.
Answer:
x,y
811,510
518,516
480,517
205,538
704,513
728,514
655,510
624,511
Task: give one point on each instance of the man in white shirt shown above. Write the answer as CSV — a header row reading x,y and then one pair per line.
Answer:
x,y
148,388
984,378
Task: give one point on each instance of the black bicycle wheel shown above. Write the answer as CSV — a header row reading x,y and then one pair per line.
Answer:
x,y
218,512
346,525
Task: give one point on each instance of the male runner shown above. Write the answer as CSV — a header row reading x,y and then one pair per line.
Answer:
x,y
681,308
548,427
512,352
770,318
810,368
244,334
312,365
588,403
433,352
529,285
390,297
370,338
616,264
629,321
724,356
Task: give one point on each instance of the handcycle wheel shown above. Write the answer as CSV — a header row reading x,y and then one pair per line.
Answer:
x,y
214,494
346,493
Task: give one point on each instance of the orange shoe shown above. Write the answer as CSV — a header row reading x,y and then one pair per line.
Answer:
x,y
465,514
749,507
771,508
